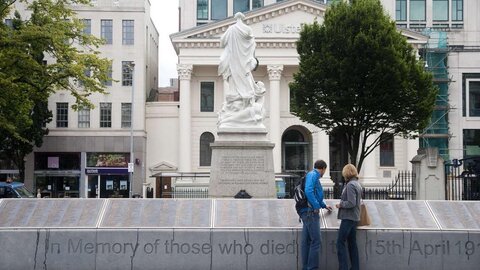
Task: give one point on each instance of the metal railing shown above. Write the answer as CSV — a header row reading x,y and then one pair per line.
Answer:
x,y
401,188
462,179
189,192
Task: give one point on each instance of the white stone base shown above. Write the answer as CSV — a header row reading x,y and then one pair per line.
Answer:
x,y
238,165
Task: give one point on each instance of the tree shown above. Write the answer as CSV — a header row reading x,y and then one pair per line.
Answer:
x,y
359,78
40,55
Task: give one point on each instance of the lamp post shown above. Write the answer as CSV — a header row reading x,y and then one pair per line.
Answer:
x,y
131,164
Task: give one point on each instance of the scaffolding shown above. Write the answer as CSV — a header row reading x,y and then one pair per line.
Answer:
x,y
435,55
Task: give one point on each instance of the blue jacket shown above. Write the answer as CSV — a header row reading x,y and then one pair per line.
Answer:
x,y
313,191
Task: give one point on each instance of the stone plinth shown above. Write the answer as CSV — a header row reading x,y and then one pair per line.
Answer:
x,y
242,159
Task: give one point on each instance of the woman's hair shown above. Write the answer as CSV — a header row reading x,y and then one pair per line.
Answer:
x,y
349,172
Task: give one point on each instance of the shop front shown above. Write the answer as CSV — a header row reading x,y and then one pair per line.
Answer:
x,y
107,175
57,175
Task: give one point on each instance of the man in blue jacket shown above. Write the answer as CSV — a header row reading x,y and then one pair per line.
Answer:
x,y
311,241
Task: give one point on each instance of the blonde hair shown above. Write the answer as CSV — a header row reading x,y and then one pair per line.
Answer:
x,y
349,172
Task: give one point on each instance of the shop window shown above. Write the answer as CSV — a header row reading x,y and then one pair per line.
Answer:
x,y
97,159
57,161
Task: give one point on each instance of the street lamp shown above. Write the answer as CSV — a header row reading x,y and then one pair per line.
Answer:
x,y
131,164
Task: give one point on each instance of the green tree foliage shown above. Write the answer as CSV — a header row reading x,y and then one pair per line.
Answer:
x,y
359,78
41,53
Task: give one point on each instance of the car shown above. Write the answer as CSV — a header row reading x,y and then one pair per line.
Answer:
x,y
14,190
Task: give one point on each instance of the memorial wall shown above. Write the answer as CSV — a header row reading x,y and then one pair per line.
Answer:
x,y
227,234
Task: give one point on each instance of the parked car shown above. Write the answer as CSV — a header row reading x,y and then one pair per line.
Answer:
x,y
14,190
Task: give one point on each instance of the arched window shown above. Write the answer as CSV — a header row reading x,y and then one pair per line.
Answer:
x,y
296,151
205,150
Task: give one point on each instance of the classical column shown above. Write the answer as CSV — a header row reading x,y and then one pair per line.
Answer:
x,y
274,74
184,146
323,152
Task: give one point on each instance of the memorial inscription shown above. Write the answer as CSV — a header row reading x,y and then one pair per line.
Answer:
x,y
237,170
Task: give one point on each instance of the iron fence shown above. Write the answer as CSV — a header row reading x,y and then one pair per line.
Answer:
x,y
401,188
462,179
189,192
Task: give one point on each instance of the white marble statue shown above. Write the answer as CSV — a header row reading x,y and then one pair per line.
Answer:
x,y
243,105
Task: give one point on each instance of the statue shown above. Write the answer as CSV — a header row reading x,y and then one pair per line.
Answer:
x,y
243,105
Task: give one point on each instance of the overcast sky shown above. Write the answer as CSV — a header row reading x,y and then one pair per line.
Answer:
x,y
164,14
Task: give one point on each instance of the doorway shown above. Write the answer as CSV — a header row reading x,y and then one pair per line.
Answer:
x,y
108,186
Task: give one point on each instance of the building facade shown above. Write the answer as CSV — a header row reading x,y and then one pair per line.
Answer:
x,y
87,152
442,31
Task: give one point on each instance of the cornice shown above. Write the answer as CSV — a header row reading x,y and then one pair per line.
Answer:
x,y
202,44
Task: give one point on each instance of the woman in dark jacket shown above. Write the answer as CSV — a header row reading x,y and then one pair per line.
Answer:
x,y
349,213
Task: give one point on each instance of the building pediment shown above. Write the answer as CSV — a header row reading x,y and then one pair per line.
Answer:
x,y
274,26
163,167
280,22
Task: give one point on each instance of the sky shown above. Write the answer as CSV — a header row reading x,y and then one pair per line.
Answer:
x,y
164,14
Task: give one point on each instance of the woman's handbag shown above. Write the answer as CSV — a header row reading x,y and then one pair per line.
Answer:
x,y
364,216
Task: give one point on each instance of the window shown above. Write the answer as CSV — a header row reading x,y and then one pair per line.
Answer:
x,y
206,96
401,10
295,148
105,115
87,26
109,74
127,70
205,150
9,23
84,118
87,73
202,9
62,115
457,10
440,10
387,158
473,98
126,115
219,9
127,32
241,6
257,4
107,31
471,142
417,10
